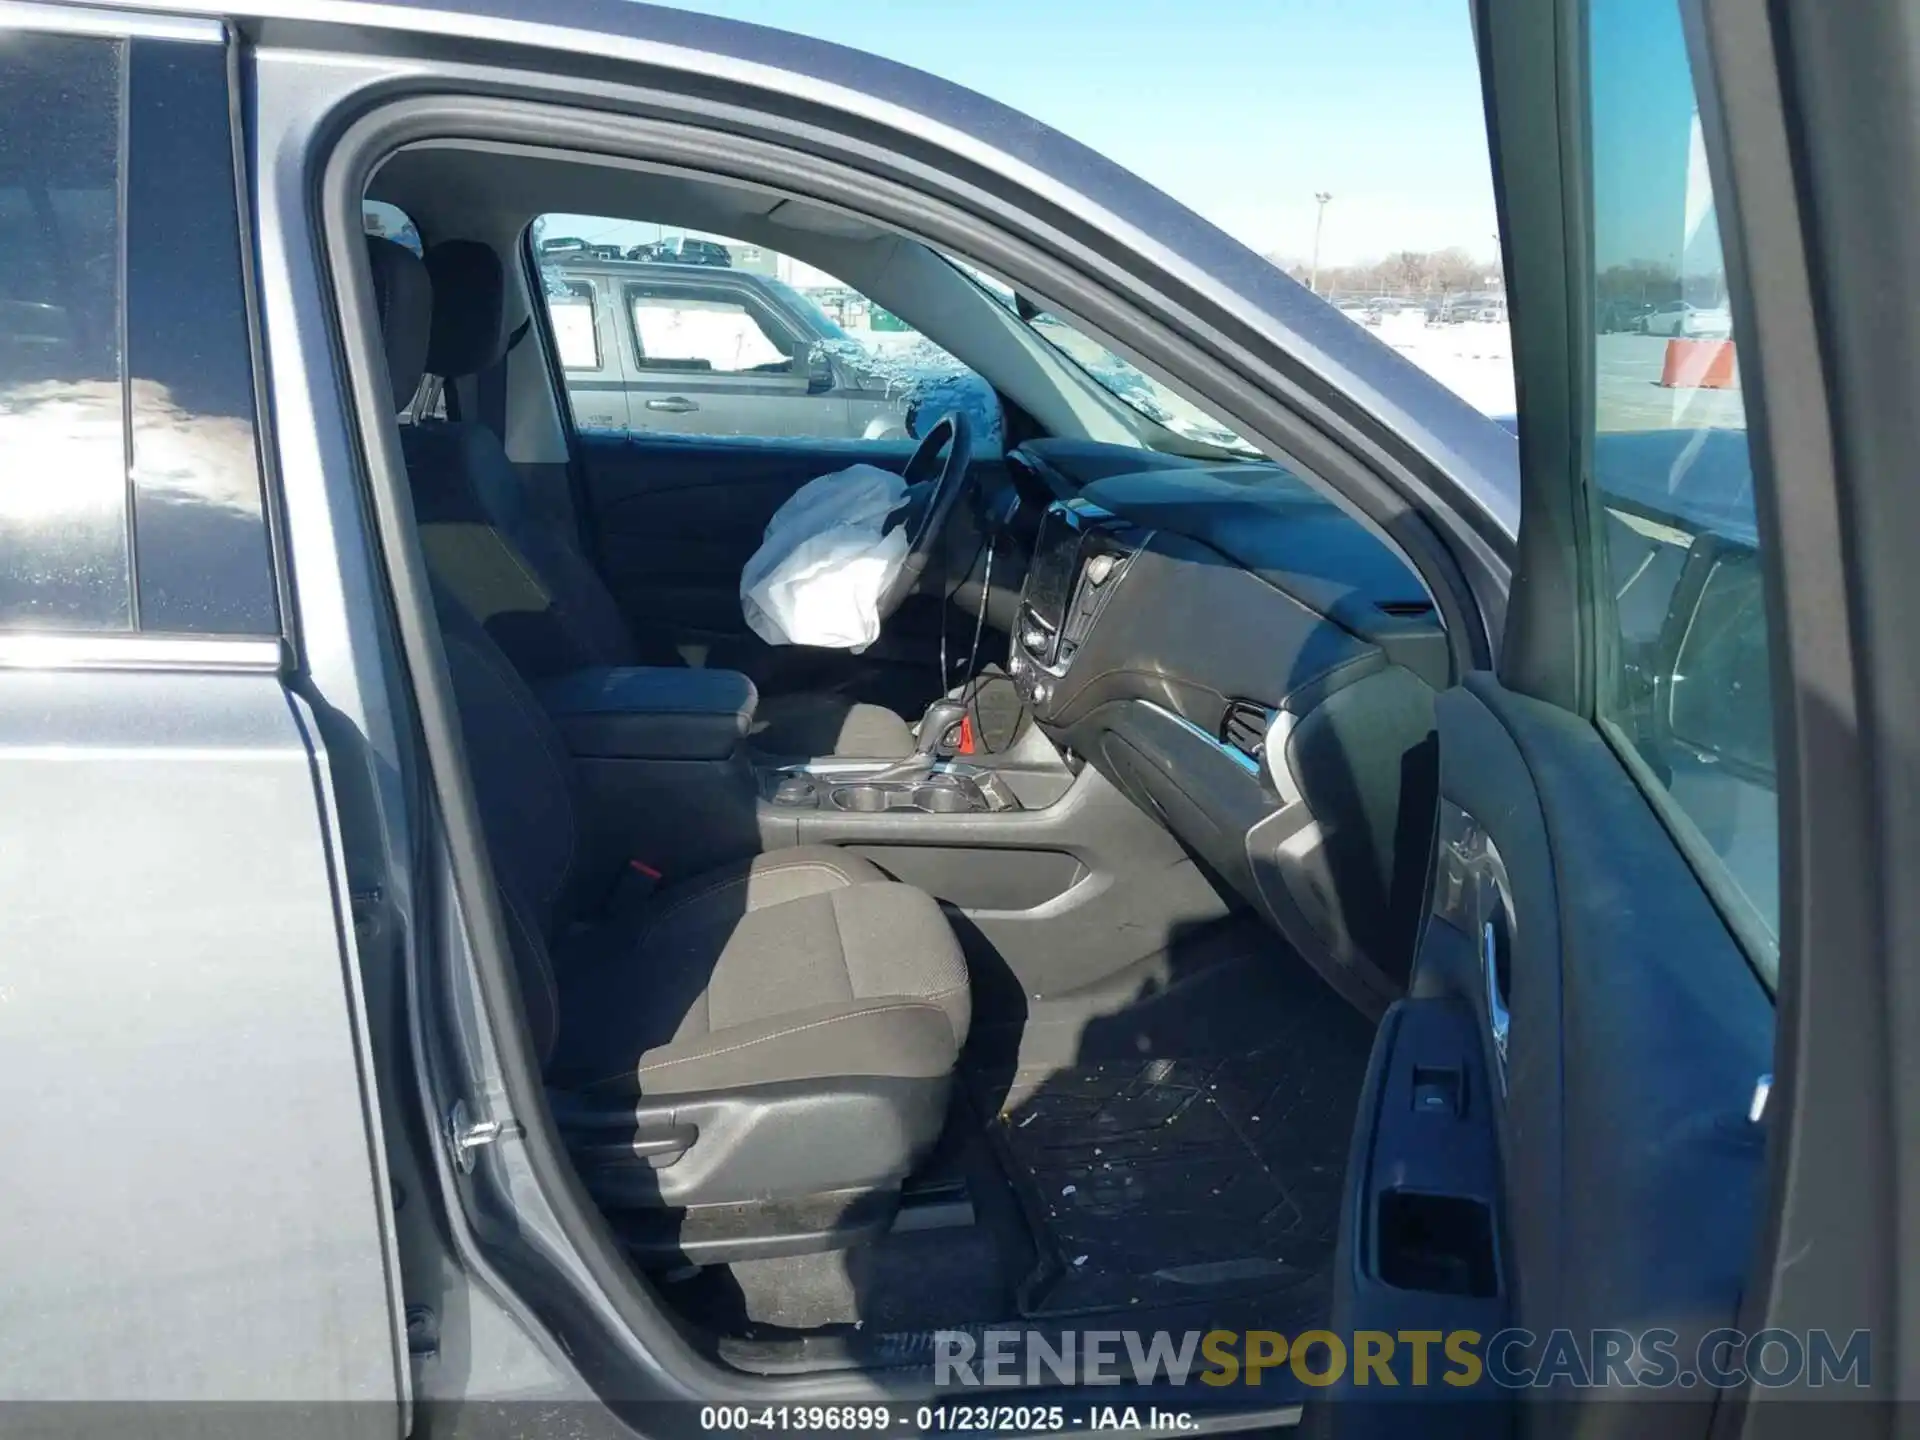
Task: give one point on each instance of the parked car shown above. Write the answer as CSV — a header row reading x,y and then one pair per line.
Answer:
x,y
455,978
1611,317
1678,318
683,250
685,349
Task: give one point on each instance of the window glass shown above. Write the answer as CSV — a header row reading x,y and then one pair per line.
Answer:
x,y
1684,687
708,335
570,303
63,483
390,222
707,328
1120,378
200,531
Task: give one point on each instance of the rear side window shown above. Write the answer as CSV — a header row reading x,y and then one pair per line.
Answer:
x,y
130,475
64,558
571,304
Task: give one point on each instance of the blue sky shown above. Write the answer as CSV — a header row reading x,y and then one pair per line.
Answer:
x,y
1241,109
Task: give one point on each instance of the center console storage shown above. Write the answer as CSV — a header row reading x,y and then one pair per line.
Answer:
x,y
640,712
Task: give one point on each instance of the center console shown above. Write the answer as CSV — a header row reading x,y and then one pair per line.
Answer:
x,y
877,787
1079,560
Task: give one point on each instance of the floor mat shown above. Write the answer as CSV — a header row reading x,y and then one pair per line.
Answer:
x,y
1158,1179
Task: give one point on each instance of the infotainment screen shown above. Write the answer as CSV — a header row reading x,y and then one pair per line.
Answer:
x,y
1050,576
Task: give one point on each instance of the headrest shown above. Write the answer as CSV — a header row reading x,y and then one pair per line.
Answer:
x,y
404,295
469,295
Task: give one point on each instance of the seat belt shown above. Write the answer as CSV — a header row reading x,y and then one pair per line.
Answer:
x,y
490,386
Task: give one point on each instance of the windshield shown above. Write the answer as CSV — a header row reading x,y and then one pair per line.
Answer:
x,y
1120,378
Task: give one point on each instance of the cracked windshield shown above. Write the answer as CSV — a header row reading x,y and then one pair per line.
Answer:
x,y
1359,169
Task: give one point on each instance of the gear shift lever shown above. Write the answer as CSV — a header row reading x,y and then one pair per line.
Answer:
x,y
941,717
939,721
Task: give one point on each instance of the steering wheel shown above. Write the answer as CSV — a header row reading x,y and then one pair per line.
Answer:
x,y
939,483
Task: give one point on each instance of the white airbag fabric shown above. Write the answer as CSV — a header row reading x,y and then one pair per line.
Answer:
x,y
825,561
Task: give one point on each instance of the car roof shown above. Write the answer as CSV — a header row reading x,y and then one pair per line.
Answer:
x,y
567,264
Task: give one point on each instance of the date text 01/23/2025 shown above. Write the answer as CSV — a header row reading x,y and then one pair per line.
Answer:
x,y
987,1419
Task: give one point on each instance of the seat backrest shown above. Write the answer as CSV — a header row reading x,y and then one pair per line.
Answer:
x,y
523,775
521,575
534,592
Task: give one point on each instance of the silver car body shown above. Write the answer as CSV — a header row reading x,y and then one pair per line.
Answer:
x,y
204,952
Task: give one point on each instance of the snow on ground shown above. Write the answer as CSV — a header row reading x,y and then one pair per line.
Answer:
x,y
1475,361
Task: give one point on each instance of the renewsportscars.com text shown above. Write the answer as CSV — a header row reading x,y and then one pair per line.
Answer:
x,y
1511,1359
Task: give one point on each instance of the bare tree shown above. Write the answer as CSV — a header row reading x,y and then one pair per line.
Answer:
x,y
1404,274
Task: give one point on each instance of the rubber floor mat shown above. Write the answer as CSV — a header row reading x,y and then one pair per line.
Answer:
x,y
1153,1181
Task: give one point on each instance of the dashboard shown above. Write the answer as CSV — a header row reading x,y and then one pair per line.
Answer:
x,y
1256,669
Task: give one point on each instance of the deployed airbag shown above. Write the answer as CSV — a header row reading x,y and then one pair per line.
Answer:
x,y
825,560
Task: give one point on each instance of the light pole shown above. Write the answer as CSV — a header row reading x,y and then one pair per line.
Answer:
x,y
1321,197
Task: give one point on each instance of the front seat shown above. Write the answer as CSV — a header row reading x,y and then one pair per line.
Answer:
x,y
745,1062
517,570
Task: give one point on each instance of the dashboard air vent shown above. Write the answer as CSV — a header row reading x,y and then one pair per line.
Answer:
x,y
1245,728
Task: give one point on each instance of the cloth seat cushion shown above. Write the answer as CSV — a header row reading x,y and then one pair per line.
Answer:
x,y
800,965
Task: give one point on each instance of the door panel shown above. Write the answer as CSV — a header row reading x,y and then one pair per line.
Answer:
x,y
677,517
183,1033
1638,1031
780,407
1618,1036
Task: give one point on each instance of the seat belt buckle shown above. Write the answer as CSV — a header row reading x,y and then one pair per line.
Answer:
x,y
965,744
637,882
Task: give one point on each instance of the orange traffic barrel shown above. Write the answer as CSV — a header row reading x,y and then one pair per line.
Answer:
x,y
1700,365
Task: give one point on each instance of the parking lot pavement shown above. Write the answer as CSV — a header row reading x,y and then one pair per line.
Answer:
x,y
1632,398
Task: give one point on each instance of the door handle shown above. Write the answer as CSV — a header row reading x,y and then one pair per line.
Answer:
x,y
674,405
1499,1023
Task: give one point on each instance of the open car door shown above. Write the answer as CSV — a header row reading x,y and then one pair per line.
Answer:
x,y
1560,1187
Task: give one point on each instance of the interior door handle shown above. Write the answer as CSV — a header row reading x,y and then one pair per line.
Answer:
x,y
1498,1021
674,405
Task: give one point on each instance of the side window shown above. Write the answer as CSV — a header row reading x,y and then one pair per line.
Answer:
x,y
713,336
130,491
63,484
570,303
712,328
390,222
1684,687
204,560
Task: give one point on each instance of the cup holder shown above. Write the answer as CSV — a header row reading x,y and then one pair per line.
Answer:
x,y
873,797
941,800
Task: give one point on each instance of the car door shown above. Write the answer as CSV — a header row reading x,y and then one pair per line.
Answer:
x,y
711,357
197,1206
1562,1145
583,314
